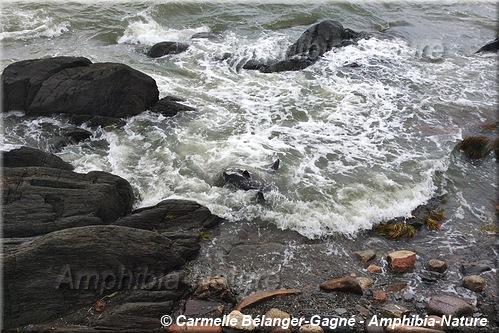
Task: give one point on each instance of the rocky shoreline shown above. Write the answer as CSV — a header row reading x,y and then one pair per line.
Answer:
x,y
78,258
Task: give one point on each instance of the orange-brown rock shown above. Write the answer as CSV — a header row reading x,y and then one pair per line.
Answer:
x,y
345,284
402,261
373,268
379,295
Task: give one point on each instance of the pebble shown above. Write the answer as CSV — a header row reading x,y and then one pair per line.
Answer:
x,y
365,282
436,265
373,268
474,282
402,261
277,313
379,295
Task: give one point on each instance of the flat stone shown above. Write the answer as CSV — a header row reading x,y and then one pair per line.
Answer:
x,y
430,276
391,310
195,308
436,265
373,268
474,282
475,268
365,255
448,306
345,284
396,287
402,261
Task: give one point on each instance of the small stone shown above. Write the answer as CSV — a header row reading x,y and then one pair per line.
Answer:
x,y
365,282
365,255
444,305
341,311
373,268
474,282
408,296
309,328
346,284
276,313
237,323
402,261
394,311
436,265
379,295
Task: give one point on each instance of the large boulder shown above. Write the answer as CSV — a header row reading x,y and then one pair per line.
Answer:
x,y
23,79
42,194
76,86
71,269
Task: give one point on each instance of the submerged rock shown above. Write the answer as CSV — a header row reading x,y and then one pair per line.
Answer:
x,y
165,48
345,284
490,47
401,261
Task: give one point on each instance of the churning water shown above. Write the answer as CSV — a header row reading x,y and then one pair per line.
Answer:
x,y
358,145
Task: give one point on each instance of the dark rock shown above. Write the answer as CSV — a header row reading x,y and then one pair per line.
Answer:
x,y
165,48
169,107
31,157
38,200
103,89
475,268
76,135
63,270
448,306
22,80
78,87
293,64
212,36
214,288
206,309
172,216
429,276
321,38
490,47
345,284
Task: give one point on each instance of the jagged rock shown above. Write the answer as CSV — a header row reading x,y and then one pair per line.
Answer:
x,y
214,288
346,284
38,200
373,268
165,48
448,306
474,282
380,296
63,270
